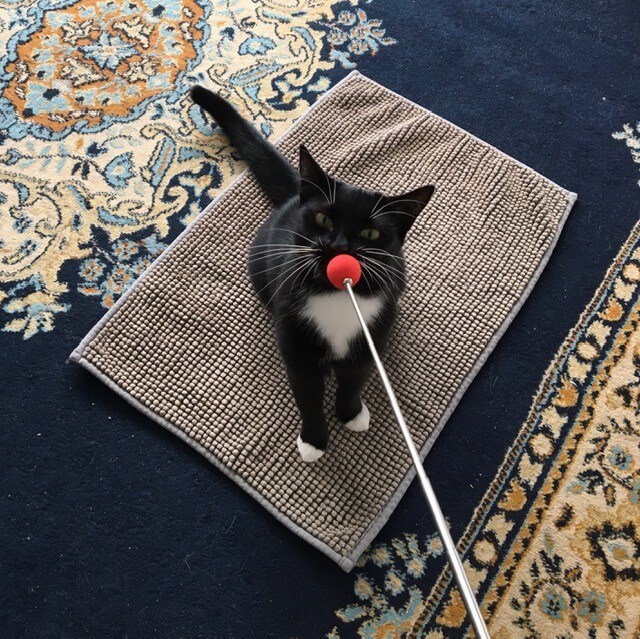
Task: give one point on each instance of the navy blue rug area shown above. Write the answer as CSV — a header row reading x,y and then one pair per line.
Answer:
x,y
112,527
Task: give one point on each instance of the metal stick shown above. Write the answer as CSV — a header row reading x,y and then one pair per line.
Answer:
x,y
454,558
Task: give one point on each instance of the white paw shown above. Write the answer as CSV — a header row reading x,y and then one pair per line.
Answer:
x,y
308,452
360,422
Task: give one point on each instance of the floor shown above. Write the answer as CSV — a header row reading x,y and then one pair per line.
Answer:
x,y
113,528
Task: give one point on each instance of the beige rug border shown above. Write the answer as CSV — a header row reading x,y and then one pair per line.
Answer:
x,y
347,563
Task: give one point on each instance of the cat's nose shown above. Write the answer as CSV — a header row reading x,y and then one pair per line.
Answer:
x,y
339,244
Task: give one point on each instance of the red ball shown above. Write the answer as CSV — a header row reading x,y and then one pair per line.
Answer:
x,y
342,267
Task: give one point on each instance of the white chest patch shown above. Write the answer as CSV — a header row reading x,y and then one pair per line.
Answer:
x,y
334,317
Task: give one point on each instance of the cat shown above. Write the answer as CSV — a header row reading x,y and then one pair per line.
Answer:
x,y
315,217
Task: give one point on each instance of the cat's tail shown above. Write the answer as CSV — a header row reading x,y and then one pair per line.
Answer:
x,y
277,178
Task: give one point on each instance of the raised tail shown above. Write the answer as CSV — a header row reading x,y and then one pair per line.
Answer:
x,y
275,175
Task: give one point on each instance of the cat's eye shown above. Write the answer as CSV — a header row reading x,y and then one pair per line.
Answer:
x,y
369,234
324,221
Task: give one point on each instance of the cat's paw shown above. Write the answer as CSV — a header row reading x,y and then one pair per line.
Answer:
x,y
308,452
360,422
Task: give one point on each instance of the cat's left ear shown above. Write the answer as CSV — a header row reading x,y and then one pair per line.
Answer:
x,y
403,210
314,181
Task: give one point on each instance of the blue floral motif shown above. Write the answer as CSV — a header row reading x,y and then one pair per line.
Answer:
x,y
389,600
592,606
559,557
42,99
33,306
108,51
553,603
113,271
118,172
620,458
256,46
354,34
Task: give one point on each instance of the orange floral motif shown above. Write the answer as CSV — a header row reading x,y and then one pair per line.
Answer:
x,y
454,613
96,59
515,497
612,312
567,395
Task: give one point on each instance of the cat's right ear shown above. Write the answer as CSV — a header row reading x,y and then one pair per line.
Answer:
x,y
313,180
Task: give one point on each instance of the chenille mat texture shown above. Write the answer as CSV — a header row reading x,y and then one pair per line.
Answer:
x,y
190,345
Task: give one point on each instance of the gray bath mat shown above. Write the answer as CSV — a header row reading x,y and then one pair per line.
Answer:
x,y
190,346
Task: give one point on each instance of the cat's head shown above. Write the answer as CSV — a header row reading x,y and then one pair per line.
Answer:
x,y
336,217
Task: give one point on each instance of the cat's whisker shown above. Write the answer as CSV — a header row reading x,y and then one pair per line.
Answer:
x,y
284,244
390,267
331,192
375,207
326,197
383,269
379,277
384,287
298,268
367,261
275,256
284,247
305,273
288,269
376,251
304,237
366,280
282,259
375,217
382,208
278,253
288,262
299,272
393,277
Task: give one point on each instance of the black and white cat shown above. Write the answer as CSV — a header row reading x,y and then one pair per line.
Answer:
x,y
315,217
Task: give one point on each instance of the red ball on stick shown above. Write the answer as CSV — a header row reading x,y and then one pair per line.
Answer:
x,y
342,267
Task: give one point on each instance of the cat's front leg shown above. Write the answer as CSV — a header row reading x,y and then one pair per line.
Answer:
x,y
307,384
350,408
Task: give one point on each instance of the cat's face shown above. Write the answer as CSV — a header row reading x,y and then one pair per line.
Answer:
x,y
335,217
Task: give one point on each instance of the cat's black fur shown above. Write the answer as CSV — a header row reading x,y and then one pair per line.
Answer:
x,y
288,258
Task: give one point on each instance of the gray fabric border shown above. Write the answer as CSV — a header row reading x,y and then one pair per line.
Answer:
x,y
348,562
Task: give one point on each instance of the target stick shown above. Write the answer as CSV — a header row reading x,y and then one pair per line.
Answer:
x,y
344,272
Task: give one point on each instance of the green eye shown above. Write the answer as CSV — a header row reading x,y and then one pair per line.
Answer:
x,y
324,221
369,234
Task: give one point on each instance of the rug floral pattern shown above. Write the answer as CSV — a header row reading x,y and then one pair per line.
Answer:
x,y
631,137
554,547
103,157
